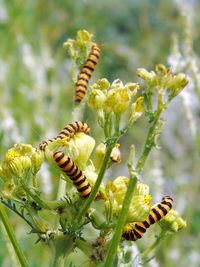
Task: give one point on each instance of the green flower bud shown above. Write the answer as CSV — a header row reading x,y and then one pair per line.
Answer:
x,y
140,204
37,159
96,99
99,155
172,222
147,76
137,109
8,188
80,148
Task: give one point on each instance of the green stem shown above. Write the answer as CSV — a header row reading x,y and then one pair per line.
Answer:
x,y
121,222
127,200
155,244
12,237
149,143
95,189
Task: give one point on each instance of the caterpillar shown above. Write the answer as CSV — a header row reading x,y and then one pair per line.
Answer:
x,y
74,173
68,132
157,213
86,72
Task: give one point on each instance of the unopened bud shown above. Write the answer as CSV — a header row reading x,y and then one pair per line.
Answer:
x,y
137,109
103,84
161,69
118,100
96,99
99,155
172,222
146,75
116,154
132,87
37,159
83,36
80,148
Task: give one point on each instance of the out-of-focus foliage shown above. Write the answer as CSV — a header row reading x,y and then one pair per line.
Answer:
x,y
36,95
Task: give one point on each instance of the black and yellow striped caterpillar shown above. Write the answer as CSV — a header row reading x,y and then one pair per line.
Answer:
x,y
68,132
74,173
157,213
86,72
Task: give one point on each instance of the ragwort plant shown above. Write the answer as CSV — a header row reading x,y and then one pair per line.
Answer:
x,y
98,220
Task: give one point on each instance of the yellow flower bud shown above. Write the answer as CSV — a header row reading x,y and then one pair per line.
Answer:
x,y
103,84
117,100
17,160
96,99
132,87
37,159
161,69
172,222
83,36
177,84
146,75
80,148
99,155
137,109
181,80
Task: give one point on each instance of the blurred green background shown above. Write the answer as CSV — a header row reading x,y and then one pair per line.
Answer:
x,y
36,98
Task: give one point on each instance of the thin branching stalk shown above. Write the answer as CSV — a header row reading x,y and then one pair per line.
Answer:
x,y
153,246
95,189
12,237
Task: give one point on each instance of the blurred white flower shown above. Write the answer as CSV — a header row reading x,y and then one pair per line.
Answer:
x,y
3,13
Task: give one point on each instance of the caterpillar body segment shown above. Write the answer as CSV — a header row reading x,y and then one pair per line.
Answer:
x,y
86,73
68,132
44,144
74,173
71,129
137,231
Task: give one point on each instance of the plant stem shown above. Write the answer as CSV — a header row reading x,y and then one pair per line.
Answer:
x,y
127,200
98,181
12,236
147,251
149,143
120,224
